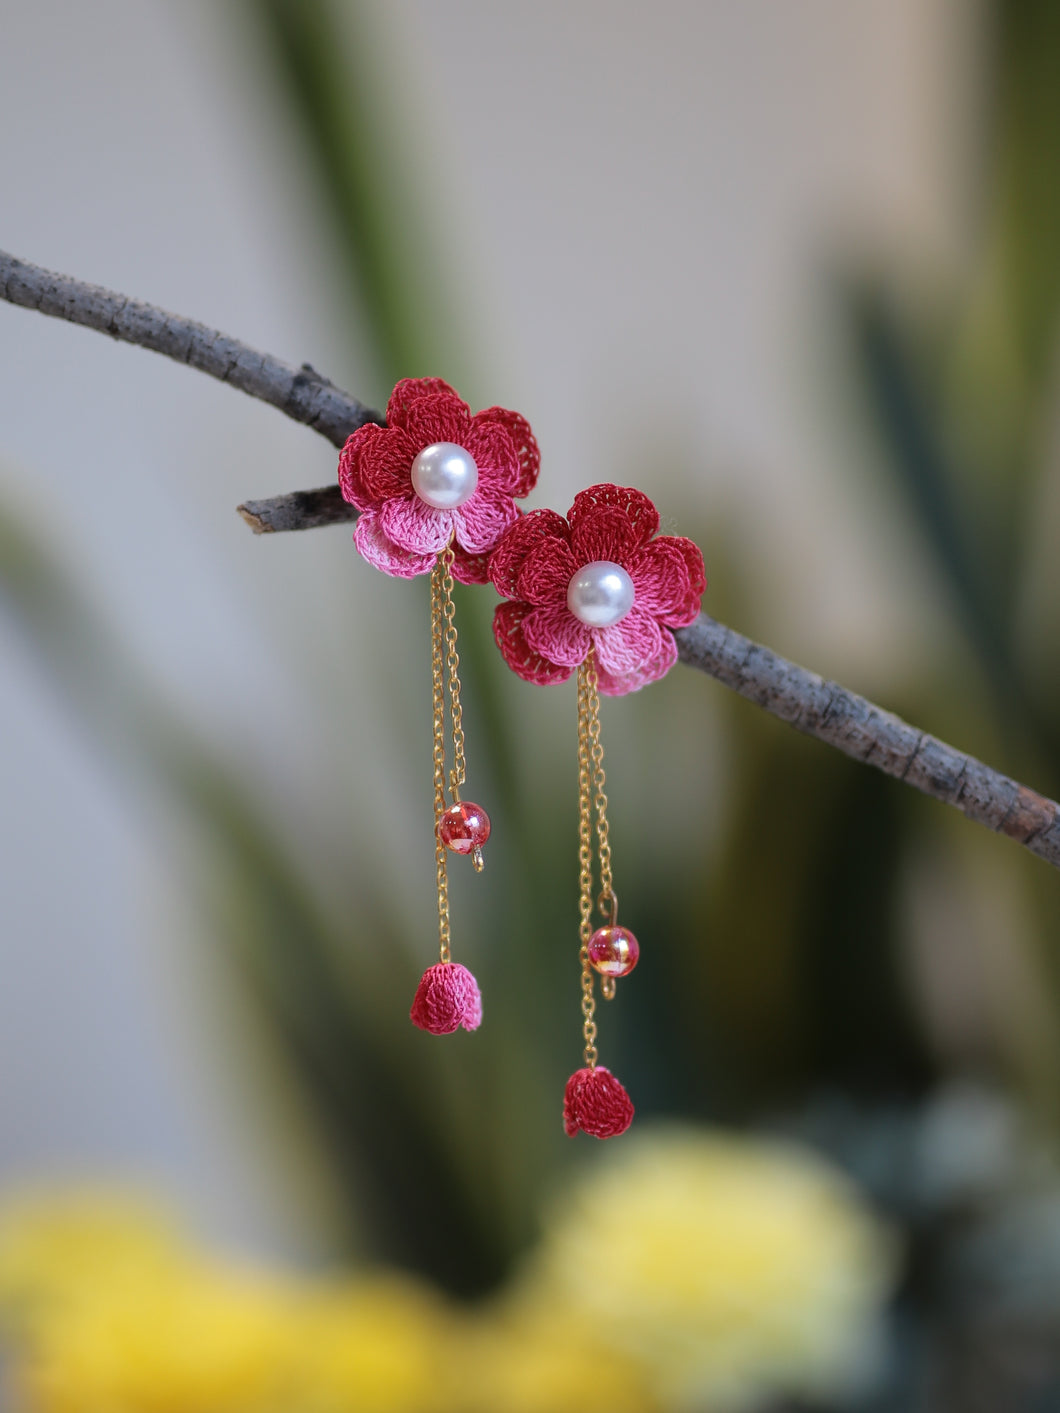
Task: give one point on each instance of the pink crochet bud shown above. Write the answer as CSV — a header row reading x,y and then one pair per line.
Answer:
x,y
447,998
595,1102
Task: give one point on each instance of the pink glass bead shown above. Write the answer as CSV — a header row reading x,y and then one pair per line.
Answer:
x,y
613,951
464,827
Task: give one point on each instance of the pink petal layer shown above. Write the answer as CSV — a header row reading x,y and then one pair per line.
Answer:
x,y
382,553
554,632
481,521
620,684
416,526
623,647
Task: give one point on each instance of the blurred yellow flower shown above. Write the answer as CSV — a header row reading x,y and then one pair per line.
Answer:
x,y
107,1310
174,1340
55,1246
683,1271
377,1344
730,1270
527,1359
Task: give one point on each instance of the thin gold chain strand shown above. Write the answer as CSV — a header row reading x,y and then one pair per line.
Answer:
x,y
438,576
585,859
607,902
458,774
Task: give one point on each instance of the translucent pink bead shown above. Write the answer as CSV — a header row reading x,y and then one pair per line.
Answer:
x,y
613,951
464,827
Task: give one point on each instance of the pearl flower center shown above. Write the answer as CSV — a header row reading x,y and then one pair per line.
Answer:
x,y
444,475
600,594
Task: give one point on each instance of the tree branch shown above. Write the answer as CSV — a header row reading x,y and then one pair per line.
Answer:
x,y
300,393
818,708
298,510
868,734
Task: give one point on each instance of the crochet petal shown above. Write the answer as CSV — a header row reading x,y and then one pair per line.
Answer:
x,y
382,553
554,632
437,418
594,1102
482,520
517,652
619,684
604,533
545,572
526,536
633,504
524,442
350,483
624,646
410,390
668,579
495,455
416,526
383,462
447,998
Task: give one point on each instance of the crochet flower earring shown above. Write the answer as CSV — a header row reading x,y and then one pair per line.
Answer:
x,y
436,488
597,591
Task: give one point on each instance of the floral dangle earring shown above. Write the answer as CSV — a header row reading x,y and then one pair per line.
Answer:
x,y
597,591
435,489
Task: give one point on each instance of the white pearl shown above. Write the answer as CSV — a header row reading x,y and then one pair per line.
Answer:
x,y
444,475
600,594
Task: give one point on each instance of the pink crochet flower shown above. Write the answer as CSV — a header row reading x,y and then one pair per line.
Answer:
x,y
596,1103
539,555
397,531
447,998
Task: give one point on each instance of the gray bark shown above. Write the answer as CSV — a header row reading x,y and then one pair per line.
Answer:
x,y
300,393
875,737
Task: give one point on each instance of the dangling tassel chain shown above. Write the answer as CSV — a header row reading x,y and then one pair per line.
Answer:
x,y
446,660
594,1101
591,781
448,995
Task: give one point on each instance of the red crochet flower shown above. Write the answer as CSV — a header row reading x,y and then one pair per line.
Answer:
x,y
402,534
540,554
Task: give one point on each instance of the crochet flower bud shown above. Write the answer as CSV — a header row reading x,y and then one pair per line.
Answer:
x,y
447,998
596,1103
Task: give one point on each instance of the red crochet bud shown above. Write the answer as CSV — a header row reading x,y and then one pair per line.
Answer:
x,y
447,998
595,1102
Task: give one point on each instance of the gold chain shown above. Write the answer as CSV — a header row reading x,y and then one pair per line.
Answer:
x,y
458,774
591,795
438,576
585,860
607,902
446,660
